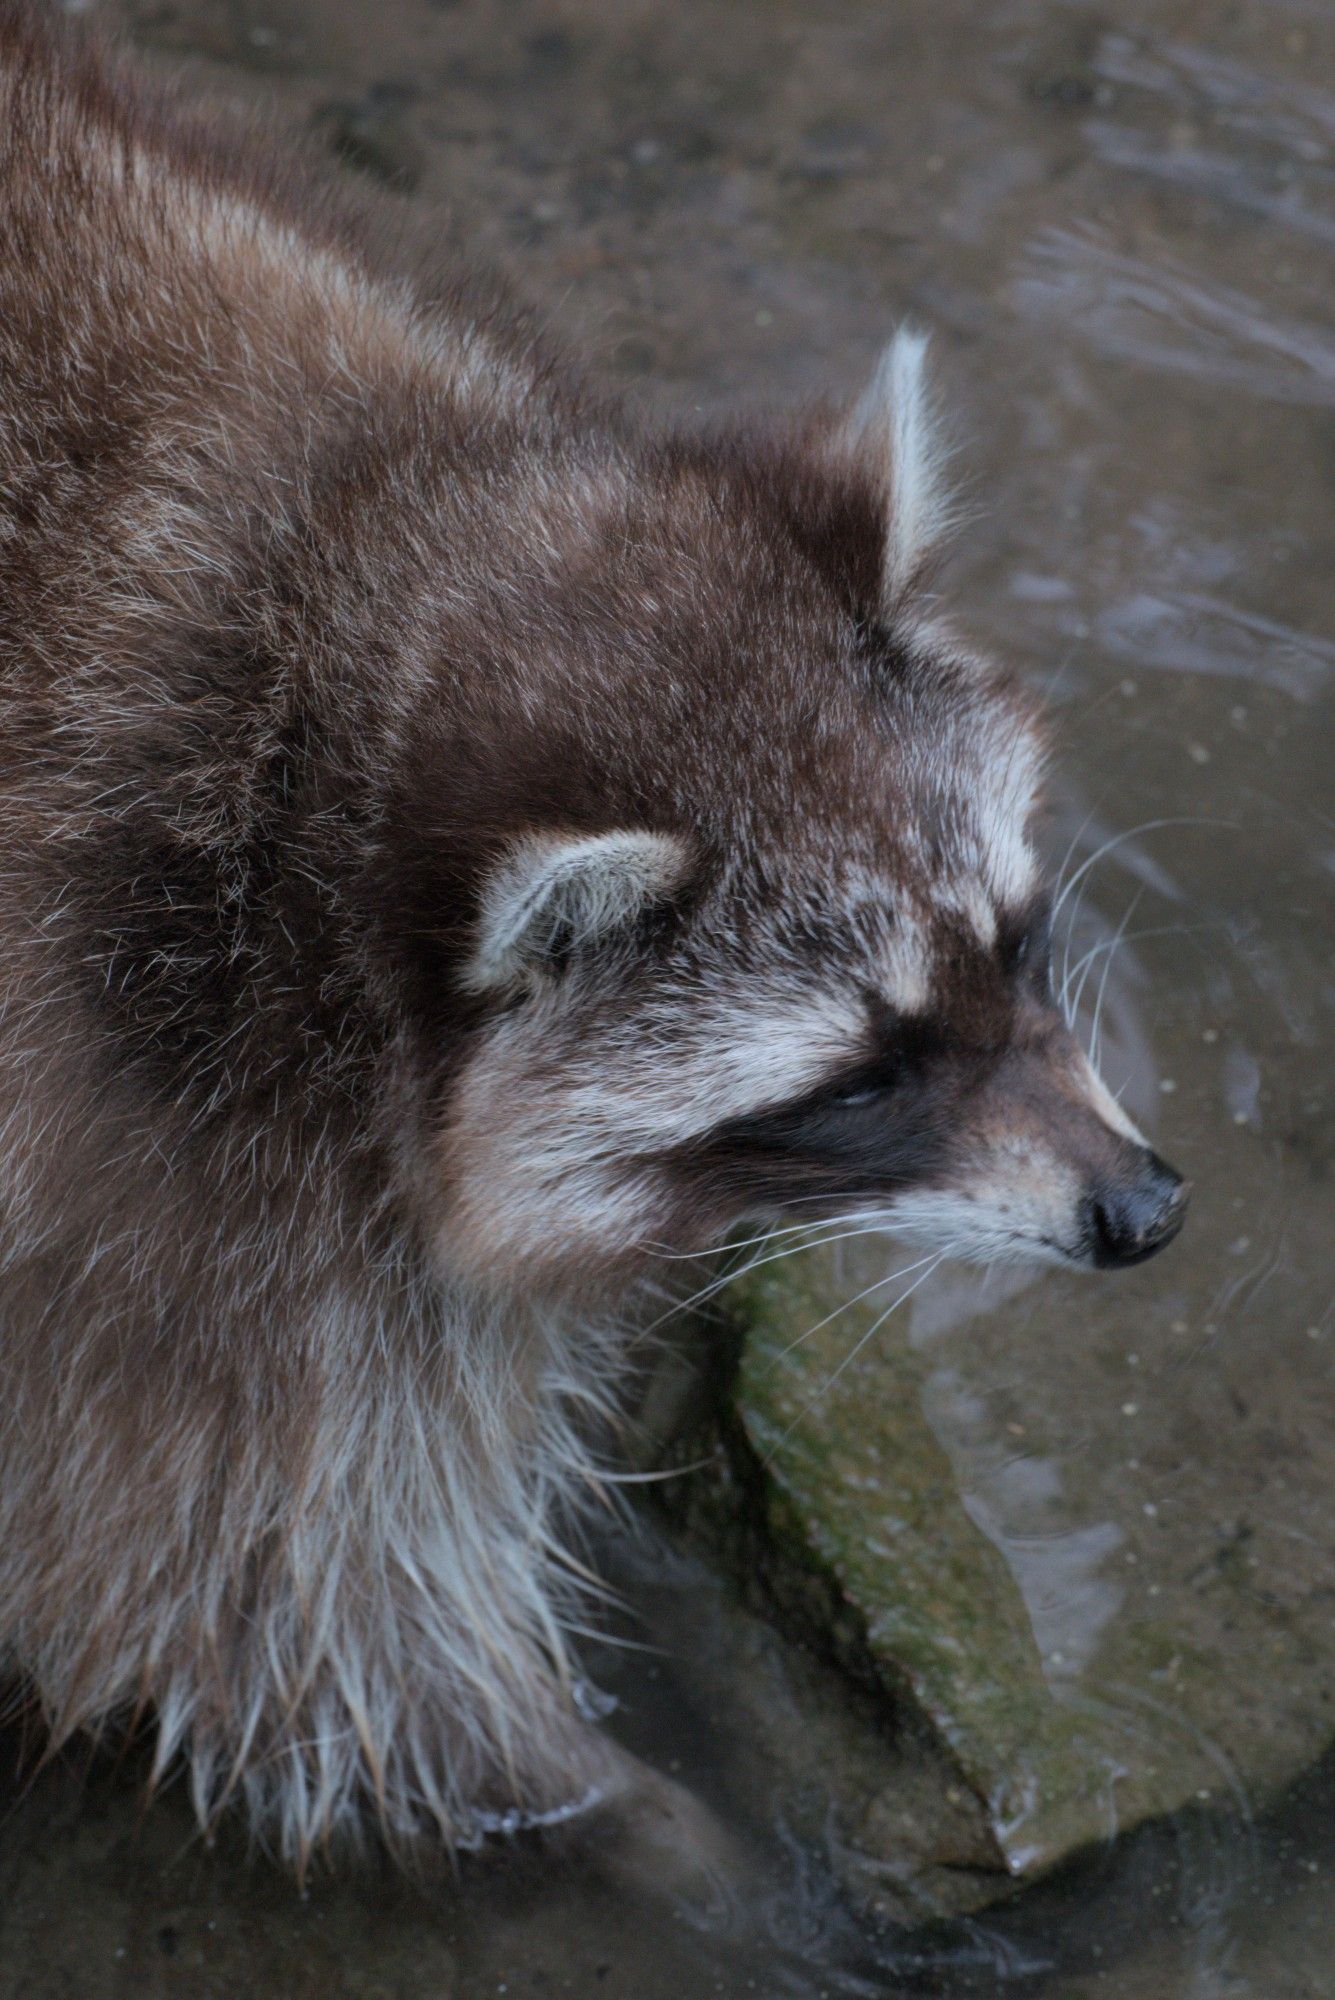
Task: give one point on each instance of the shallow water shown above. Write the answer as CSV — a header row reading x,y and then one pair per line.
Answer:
x,y
1120,224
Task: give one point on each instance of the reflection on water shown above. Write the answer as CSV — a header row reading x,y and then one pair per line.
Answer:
x,y
1224,1900
1122,233
1163,314
1012,1496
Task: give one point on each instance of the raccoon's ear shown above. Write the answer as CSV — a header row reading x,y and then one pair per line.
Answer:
x,y
892,431
553,894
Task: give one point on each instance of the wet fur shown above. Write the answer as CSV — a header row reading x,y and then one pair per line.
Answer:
x,y
339,629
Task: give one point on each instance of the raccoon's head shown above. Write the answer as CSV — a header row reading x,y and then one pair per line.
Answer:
x,y
758,932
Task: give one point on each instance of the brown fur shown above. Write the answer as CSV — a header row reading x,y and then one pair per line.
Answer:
x,y
318,589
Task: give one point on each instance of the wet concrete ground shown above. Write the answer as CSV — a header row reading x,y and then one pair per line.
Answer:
x,y
1120,224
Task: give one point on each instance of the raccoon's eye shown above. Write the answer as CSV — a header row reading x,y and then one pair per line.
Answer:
x,y
848,1100
1027,951
871,1085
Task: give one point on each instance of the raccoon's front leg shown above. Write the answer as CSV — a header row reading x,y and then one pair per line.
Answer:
x,y
331,1583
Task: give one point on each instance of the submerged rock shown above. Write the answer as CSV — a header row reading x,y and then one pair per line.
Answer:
x,y
954,1521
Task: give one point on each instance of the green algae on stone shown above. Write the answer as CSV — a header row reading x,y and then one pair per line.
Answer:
x,y
828,1409
840,1435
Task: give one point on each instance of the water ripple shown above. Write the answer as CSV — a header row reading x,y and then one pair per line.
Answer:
x,y
1162,315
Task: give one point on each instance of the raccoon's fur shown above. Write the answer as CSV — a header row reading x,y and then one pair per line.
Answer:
x,y
457,848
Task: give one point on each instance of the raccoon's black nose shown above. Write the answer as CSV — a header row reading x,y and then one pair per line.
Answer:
x,y
1137,1213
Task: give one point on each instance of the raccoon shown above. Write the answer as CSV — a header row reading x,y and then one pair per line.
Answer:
x,y
461,847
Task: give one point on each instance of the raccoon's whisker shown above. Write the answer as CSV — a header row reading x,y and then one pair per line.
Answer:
x,y
1092,860
813,1233
1070,973
736,1274
868,1201
856,1299
1072,933
765,1236
1132,833
938,1257
1059,892
1132,937
1085,959
733,1274
1067,858
655,1478
1095,1036
1108,945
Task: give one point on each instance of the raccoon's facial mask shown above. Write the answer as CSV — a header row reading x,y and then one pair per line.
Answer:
x,y
594,1128
986,1136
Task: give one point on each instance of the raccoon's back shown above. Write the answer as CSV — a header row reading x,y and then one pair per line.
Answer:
x,y
192,329
192,346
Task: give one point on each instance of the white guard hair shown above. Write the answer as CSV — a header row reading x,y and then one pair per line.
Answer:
x,y
894,423
554,889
